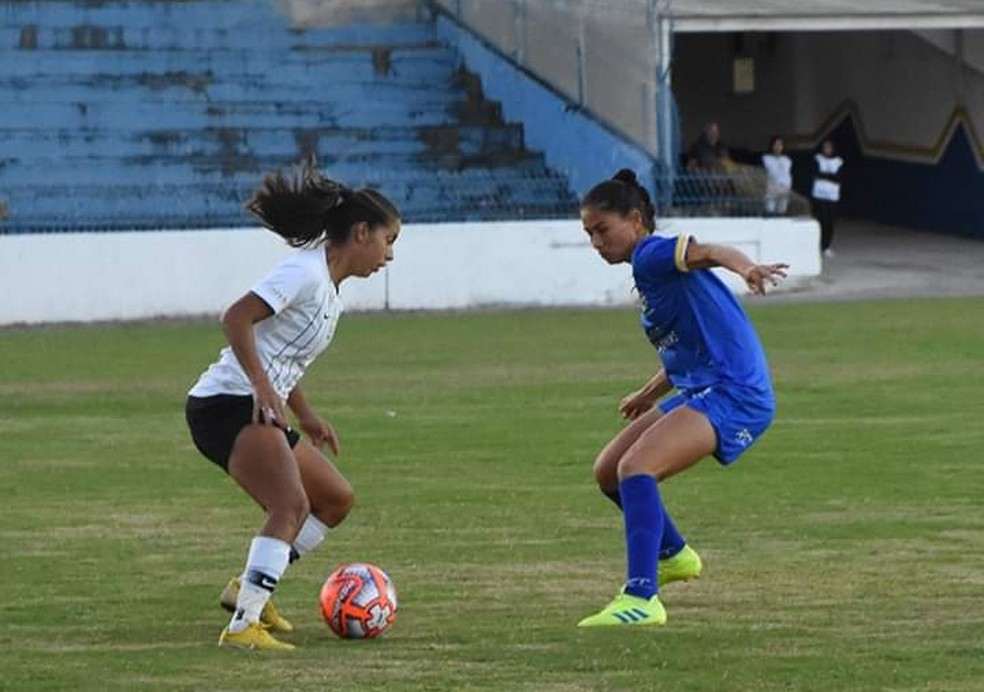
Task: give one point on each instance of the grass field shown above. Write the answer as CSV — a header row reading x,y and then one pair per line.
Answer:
x,y
845,552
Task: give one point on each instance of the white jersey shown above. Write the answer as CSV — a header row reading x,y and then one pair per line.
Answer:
x,y
824,186
306,309
779,170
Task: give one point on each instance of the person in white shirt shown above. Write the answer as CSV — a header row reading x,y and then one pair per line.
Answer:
x,y
779,178
236,412
826,193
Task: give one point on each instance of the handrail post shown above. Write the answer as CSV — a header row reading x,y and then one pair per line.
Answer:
x,y
582,78
661,40
519,27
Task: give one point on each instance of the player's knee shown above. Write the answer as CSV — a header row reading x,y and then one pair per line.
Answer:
x,y
344,503
602,474
603,470
333,507
633,464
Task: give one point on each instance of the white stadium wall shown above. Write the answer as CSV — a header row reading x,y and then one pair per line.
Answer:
x,y
84,277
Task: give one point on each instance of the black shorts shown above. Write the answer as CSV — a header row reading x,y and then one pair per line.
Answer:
x,y
215,422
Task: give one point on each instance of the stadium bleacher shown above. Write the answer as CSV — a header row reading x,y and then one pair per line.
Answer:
x,y
165,114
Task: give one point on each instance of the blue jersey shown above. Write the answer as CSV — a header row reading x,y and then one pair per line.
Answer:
x,y
695,323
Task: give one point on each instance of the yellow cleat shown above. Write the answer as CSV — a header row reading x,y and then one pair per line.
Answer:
x,y
254,637
270,618
628,611
683,566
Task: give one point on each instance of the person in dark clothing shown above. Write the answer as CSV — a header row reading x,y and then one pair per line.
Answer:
x,y
826,193
709,153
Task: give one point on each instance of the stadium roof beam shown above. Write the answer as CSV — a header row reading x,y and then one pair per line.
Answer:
x,y
694,24
708,16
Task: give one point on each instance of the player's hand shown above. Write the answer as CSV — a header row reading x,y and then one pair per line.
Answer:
x,y
268,408
320,432
634,405
758,275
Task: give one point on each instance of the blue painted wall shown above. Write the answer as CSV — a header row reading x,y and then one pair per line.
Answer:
x,y
574,143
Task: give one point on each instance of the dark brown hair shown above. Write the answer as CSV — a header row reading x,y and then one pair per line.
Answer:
x,y
622,194
305,208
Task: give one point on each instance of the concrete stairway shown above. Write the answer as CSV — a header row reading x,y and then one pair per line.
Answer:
x,y
166,113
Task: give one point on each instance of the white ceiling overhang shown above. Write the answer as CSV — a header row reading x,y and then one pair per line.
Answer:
x,y
705,16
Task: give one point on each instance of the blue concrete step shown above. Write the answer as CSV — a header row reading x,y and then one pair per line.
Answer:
x,y
275,141
101,199
285,84
206,13
247,170
325,65
184,88
242,14
140,33
130,116
216,205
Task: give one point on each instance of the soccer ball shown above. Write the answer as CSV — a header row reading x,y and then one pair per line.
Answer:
x,y
358,601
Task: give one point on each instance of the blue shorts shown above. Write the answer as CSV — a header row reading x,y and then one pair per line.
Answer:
x,y
738,416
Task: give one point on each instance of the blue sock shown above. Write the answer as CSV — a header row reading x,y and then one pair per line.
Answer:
x,y
672,542
643,515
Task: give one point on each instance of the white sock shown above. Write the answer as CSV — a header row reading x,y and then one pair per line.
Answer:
x,y
265,565
311,535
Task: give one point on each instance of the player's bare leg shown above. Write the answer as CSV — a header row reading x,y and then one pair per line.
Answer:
x,y
329,493
678,561
263,464
330,497
672,444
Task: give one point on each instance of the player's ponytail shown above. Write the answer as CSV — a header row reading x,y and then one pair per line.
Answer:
x,y
305,208
623,194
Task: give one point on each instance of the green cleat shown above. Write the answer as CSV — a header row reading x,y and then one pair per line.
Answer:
x,y
253,637
628,610
683,566
270,618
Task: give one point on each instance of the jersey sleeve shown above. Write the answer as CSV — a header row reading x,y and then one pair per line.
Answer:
x,y
656,256
283,284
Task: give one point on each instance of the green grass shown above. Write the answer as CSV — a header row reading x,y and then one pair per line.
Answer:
x,y
845,552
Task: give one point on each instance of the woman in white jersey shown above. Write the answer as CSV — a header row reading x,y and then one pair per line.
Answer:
x,y
779,178
237,410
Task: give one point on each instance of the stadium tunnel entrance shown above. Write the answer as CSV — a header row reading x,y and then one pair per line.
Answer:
x,y
898,87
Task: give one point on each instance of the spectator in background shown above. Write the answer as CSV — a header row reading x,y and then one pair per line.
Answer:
x,y
710,161
826,193
708,153
779,178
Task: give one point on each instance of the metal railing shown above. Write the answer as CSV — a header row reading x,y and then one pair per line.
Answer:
x,y
738,191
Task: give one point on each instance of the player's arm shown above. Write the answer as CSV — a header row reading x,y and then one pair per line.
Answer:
x,y
237,323
299,404
645,397
707,255
318,429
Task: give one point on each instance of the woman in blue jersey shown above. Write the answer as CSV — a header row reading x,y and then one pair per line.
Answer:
x,y
711,356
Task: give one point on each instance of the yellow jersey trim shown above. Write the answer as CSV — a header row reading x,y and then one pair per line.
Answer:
x,y
680,254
